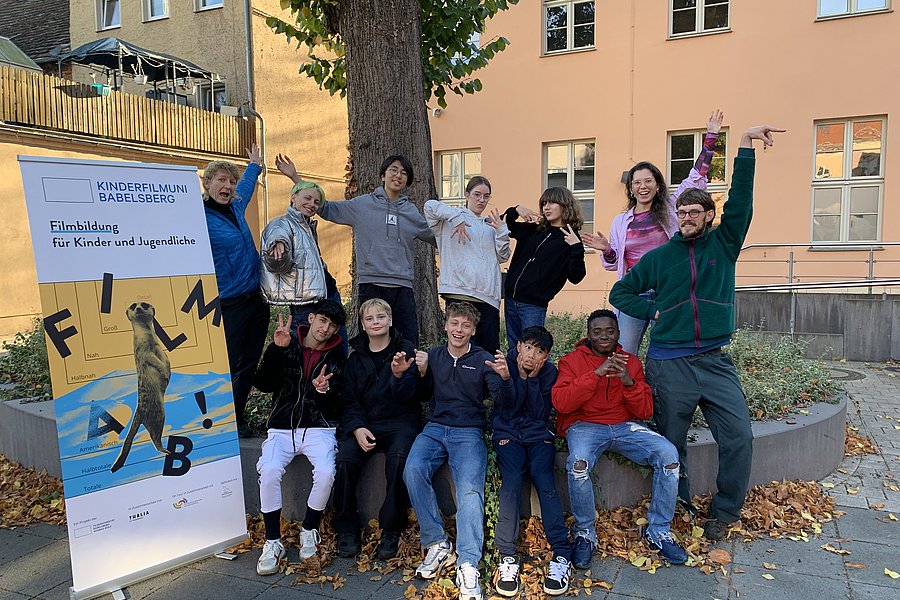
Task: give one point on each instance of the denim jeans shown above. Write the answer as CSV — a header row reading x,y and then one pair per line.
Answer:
x,y
631,330
537,459
300,316
587,441
464,450
519,317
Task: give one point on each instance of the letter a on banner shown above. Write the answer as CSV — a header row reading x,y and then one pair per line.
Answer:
x,y
122,255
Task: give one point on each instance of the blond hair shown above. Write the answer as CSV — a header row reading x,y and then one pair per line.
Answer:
x,y
374,303
220,165
464,310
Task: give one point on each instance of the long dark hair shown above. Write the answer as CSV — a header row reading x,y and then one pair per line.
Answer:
x,y
658,206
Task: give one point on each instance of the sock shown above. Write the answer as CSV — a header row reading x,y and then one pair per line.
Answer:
x,y
272,521
312,518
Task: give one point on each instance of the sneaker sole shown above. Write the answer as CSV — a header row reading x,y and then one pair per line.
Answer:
x,y
506,594
559,592
305,556
265,572
451,558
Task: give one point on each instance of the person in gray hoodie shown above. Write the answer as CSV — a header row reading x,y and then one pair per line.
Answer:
x,y
472,247
384,253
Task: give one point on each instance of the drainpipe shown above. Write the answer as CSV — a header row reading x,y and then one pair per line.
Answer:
x,y
248,33
265,169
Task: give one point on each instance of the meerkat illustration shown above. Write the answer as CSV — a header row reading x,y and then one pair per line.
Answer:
x,y
153,372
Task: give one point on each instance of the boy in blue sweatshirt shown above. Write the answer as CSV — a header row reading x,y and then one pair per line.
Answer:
x,y
523,439
458,375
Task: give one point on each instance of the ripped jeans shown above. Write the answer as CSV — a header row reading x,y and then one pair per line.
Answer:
x,y
587,441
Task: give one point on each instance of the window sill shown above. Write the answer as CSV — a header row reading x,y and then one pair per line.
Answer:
x,y
110,28
695,34
206,8
856,14
154,19
566,52
845,247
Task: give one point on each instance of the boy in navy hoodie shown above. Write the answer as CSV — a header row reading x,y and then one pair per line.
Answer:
x,y
523,440
458,375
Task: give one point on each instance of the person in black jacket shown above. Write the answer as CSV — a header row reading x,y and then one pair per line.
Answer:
x,y
523,439
374,419
548,252
303,374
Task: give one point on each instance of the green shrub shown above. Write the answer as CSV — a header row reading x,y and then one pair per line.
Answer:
x,y
25,365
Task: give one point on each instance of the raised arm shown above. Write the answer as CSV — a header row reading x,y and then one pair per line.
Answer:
x,y
697,177
243,191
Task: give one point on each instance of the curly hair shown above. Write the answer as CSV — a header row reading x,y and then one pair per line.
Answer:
x,y
571,208
659,205
464,310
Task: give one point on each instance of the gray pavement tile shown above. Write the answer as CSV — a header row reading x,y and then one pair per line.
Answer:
x,y
797,557
356,586
5,595
752,584
605,569
16,543
38,572
53,532
876,557
244,566
672,583
142,589
199,585
863,591
868,525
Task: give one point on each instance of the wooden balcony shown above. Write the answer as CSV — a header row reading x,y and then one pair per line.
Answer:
x,y
50,103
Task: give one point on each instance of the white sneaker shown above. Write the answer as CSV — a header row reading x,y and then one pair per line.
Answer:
x,y
309,538
506,578
557,581
438,556
467,577
272,554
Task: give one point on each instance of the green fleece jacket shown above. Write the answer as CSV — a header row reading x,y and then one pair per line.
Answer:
x,y
693,278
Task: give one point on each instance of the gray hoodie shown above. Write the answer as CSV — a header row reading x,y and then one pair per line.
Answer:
x,y
383,234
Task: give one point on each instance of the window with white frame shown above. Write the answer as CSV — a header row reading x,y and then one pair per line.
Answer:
x,y
454,170
211,95
691,17
204,4
842,8
568,25
571,165
848,180
155,9
684,148
108,14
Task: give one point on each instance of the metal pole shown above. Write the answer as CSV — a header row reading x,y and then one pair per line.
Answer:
x,y
793,311
871,268
790,276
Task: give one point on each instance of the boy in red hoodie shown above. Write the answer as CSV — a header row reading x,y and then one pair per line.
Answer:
x,y
600,395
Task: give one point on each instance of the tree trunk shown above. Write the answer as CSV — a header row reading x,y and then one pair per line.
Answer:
x,y
387,115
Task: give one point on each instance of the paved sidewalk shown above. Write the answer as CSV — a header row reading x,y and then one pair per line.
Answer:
x,y
34,561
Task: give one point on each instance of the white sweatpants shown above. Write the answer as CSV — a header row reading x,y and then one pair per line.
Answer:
x,y
317,444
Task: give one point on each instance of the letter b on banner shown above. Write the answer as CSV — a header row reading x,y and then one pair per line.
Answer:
x,y
179,455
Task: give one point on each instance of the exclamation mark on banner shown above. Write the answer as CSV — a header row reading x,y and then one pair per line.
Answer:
x,y
200,397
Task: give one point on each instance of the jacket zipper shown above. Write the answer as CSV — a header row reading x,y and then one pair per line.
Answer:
x,y
694,296
528,262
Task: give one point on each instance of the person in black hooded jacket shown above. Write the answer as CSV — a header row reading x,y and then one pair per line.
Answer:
x,y
303,374
375,419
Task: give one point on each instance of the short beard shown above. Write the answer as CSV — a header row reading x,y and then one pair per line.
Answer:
x,y
706,225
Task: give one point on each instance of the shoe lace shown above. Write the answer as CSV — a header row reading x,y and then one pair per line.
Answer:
x,y
469,575
310,535
558,570
508,570
271,548
432,554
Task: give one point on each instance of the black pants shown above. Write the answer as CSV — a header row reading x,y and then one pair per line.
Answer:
x,y
403,306
246,322
487,333
394,439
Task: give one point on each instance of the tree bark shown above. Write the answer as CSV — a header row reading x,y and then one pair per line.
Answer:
x,y
387,115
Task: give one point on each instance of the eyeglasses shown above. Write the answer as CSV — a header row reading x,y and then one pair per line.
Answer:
x,y
683,214
480,196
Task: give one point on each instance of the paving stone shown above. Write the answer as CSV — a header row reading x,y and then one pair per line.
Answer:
x,y
876,557
864,591
200,585
244,566
869,526
672,583
40,571
16,543
797,557
5,595
786,584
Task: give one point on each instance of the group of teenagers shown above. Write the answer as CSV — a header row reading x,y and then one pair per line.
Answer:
x,y
339,401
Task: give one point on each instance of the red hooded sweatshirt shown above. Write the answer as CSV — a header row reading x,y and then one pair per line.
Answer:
x,y
580,395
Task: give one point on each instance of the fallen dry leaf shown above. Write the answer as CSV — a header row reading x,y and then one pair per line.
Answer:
x,y
769,566
891,574
767,576
29,496
720,557
858,445
833,550
856,565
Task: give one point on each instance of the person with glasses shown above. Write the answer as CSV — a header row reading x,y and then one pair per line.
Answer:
x,y
472,247
693,275
648,222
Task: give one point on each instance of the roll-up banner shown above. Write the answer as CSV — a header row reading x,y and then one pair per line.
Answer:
x,y
139,367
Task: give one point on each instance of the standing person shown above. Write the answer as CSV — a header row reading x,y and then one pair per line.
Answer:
x,y
600,396
693,275
548,252
245,315
458,375
385,224
523,440
648,222
303,374
375,419
293,271
470,263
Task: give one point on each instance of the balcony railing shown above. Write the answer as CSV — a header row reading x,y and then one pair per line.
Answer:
x,y
50,103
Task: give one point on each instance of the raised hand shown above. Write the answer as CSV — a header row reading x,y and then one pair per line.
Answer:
x,y
527,214
537,368
459,232
277,250
499,366
321,381
422,362
615,366
286,166
282,334
399,364
597,241
570,236
496,220
760,132
714,125
365,439
253,154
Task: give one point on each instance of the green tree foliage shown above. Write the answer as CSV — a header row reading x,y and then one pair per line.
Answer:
x,y
450,52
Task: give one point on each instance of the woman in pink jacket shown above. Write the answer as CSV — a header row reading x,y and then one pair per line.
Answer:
x,y
648,222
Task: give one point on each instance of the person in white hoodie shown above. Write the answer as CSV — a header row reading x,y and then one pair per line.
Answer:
x,y
472,247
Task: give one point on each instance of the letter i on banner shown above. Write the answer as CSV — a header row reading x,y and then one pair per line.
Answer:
x,y
139,367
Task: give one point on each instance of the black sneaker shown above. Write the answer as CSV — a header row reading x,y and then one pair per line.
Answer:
x,y
387,547
715,529
557,581
665,545
582,552
348,544
506,577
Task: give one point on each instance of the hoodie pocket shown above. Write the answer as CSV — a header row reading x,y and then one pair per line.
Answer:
x,y
387,257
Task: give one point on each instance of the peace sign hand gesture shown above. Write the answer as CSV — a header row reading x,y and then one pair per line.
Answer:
x,y
570,236
282,334
321,381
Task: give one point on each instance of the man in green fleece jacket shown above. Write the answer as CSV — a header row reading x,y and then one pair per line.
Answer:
x,y
693,276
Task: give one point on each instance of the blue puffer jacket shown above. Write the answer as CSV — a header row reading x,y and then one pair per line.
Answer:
x,y
234,251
